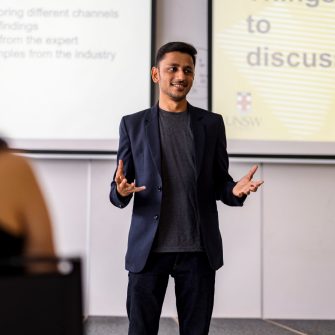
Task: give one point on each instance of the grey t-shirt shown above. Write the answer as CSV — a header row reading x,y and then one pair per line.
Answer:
x,y
178,229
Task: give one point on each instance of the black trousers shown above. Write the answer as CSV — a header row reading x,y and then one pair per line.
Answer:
x,y
194,289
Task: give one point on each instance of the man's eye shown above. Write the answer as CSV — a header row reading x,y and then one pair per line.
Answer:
x,y
188,71
172,69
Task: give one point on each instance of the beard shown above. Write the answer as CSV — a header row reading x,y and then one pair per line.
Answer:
x,y
178,96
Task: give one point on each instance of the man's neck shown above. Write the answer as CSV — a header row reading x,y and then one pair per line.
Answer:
x,y
173,106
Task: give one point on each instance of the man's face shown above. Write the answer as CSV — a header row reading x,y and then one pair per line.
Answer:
x,y
175,75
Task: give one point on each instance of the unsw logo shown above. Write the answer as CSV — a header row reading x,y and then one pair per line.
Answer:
x,y
243,103
244,117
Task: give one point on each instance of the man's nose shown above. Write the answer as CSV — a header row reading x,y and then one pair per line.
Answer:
x,y
180,75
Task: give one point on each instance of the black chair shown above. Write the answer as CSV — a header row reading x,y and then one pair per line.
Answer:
x,y
41,297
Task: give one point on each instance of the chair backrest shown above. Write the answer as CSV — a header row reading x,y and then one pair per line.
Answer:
x,y
41,297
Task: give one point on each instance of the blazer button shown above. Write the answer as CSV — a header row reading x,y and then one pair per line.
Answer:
x,y
159,188
156,217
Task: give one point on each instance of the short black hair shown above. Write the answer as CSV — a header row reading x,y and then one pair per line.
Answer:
x,y
176,46
3,144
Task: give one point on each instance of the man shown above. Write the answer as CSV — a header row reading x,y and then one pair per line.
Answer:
x,y
177,154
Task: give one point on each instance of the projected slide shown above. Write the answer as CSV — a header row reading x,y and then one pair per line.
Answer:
x,y
70,69
274,74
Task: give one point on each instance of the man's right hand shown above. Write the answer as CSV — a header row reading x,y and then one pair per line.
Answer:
x,y
123,187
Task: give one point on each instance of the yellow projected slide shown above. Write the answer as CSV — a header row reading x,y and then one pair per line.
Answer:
x,y
274,69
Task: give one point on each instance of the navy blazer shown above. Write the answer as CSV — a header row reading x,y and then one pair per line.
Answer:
x,y
139,148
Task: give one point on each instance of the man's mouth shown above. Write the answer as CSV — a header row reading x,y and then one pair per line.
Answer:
x,y
179,85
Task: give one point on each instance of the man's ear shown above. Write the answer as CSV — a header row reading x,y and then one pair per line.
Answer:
x,y
155,74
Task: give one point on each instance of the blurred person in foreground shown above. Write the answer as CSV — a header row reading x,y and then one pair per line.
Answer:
x,y
25,227
177,154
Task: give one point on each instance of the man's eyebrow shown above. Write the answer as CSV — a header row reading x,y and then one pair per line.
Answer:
x,y
173,64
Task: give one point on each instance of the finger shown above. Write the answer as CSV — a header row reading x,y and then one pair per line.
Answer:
x,y
133,184
121,164
255,185
122,187
252,171
119,178
123,184
139,188
131,188
119,171
258,183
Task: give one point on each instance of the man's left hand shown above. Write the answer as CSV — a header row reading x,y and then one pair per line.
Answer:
x,y
246,184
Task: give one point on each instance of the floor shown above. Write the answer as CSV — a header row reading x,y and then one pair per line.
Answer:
x,y
169,326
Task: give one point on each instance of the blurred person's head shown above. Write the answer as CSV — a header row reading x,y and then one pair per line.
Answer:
x,y
3,144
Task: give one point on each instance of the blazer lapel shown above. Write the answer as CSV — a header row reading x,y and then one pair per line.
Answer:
x,y
153,137
198,130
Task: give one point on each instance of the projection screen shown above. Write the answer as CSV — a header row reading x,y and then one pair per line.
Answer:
x,y
70,69
273,75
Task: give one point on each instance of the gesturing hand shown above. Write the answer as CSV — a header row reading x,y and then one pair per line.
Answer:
x,y
123,187
246,184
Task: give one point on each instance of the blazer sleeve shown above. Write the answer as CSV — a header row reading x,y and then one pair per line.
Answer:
x,y
124,153
224,182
